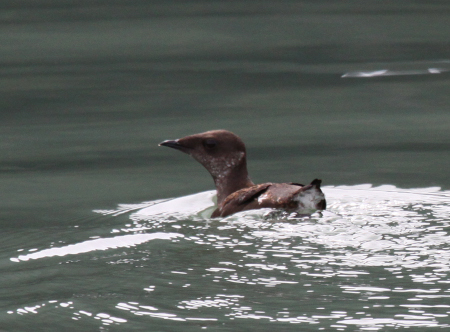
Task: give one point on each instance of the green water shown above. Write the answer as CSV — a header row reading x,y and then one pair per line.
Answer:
x,y
90,89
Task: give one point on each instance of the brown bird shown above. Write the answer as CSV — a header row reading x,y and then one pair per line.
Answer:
x,y
223,154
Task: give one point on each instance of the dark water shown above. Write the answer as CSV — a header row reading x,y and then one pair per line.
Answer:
x,y
89,89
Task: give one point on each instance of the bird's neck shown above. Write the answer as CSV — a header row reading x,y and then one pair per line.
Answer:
x,y
232,180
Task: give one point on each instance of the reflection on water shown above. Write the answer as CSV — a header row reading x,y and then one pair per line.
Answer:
x,y
378,258
385,72
90,87
97,244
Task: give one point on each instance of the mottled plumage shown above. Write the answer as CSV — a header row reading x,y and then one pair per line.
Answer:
x,y
223,154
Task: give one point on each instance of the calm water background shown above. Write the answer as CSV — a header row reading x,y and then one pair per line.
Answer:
x,y
88,89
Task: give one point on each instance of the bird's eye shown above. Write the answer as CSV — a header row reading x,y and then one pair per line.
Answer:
x,y
210,143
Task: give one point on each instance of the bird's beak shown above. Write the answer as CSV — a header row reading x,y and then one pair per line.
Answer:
x,y
175,144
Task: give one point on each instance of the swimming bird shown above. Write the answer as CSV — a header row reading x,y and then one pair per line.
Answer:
x,y
223,154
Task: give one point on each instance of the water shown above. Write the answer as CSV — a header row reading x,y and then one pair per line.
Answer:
x,y
376,260
346,93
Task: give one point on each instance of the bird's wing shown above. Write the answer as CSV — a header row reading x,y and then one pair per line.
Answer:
x,y
234,202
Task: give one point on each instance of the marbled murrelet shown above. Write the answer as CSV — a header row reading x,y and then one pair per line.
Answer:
x,y
223,154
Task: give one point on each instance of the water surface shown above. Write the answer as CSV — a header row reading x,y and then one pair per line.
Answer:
x,y
347,93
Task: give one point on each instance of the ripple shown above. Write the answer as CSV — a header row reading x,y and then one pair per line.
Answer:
x,y
97,244
379,252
